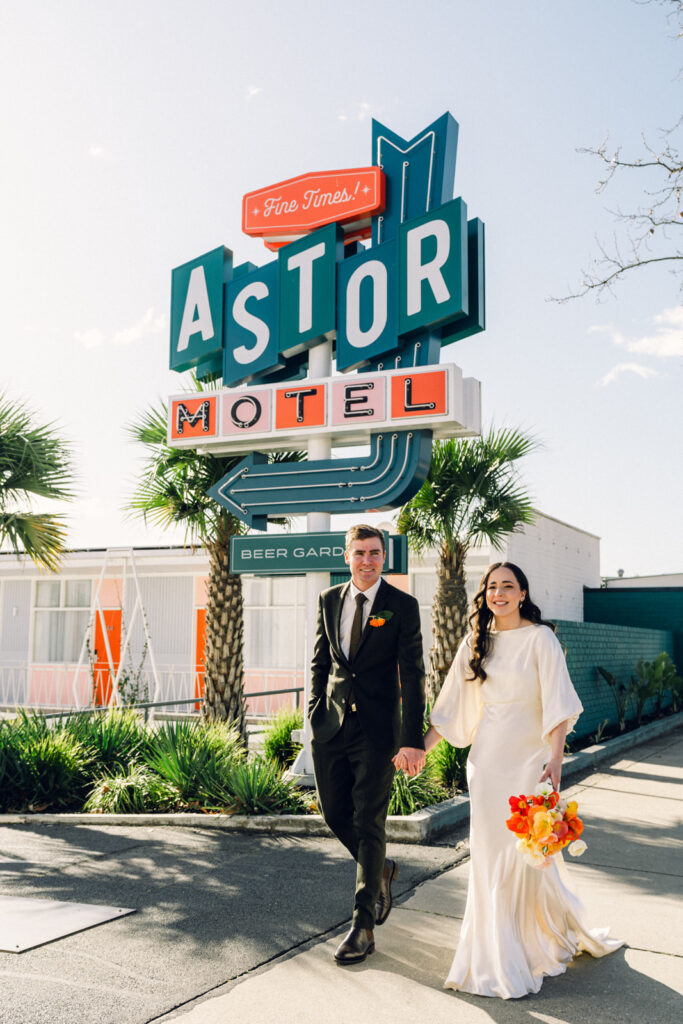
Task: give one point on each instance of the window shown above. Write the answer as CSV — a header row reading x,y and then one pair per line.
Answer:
x,y
62,612
274,622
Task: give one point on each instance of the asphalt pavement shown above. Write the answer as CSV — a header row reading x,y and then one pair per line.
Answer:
x,y
240,928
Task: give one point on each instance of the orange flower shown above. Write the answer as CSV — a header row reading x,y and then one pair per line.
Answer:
x,y
377,622
518,824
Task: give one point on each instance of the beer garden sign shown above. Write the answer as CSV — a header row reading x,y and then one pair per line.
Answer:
x,y
386,308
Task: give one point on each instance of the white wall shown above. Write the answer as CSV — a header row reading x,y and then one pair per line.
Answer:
x,y
559,561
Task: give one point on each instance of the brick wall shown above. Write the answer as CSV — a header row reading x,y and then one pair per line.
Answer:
x,y
616,648
653,607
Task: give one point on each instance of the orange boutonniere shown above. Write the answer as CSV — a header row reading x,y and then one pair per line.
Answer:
x,y
380,618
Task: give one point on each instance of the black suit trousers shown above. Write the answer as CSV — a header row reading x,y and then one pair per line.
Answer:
x,y
354,779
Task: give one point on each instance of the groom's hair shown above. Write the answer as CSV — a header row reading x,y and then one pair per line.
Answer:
x,y
363,532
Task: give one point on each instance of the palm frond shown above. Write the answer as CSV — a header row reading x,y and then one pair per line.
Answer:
x,y
472,492
34,460
41,536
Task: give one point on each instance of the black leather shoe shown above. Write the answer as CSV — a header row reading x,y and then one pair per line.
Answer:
x,y
358,944
384,900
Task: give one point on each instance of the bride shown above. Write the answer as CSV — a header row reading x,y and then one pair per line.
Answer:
x,y
509,694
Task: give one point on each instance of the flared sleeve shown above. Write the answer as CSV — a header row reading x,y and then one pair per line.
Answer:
x,y
559,699
457,710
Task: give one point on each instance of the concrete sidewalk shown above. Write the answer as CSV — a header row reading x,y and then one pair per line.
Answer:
x,y
630,878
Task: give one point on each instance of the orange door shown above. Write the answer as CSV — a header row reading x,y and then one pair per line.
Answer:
x,y
104,682
200,648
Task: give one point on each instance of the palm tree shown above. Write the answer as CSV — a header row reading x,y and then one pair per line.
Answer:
x,y
172,489
34,463
471,495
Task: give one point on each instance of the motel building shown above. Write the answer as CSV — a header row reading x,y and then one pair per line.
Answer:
x,y
139,614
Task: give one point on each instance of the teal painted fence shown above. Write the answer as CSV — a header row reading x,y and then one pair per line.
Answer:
x,y
652,607
616,648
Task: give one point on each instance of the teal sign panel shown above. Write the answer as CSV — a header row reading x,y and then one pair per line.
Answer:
x,y
475,321
419,172
251,326
307,289
197,309
433,269
292,554
367,286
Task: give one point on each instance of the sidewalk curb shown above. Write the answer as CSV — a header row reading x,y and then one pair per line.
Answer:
x,y
419,827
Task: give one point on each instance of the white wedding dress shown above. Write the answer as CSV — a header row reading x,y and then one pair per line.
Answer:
x,y
520,923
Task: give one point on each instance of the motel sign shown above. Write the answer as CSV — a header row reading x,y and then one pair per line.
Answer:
x,y
386,308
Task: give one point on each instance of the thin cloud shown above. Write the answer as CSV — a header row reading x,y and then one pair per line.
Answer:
x,y
253,90
147,325
360,112
90,339
641,371
97,152
665,342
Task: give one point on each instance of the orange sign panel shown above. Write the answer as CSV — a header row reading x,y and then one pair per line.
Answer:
x,y
418,394
300,407
194,417
292,208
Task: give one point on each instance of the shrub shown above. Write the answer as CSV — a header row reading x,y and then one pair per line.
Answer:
x,y
41,768
255,787
278,743
620,693
449,765
131,792
193,757
116,738
409,794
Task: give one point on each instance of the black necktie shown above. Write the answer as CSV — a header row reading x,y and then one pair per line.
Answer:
x,y
357,626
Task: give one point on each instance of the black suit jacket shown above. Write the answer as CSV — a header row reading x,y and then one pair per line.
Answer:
x,y
390,713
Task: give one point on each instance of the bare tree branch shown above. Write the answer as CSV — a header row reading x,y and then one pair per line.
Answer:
x,y
648,232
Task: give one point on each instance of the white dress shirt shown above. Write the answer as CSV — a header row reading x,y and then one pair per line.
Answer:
x,y
349,612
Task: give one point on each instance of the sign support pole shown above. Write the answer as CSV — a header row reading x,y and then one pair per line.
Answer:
x,y
320,365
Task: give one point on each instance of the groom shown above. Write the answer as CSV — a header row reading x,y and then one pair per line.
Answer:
x,y
367,639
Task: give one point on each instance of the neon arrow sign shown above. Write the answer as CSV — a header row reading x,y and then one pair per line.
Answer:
x,y
385,479
391,305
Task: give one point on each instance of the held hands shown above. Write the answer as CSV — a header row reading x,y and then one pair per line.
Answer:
x,y
553,771
410,760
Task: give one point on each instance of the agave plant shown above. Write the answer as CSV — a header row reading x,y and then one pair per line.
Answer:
x,y
116,738
41,768
256,786
278,744
449,765
411,793
192,756
131,792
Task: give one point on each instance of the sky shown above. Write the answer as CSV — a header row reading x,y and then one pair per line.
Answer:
x,y
130,130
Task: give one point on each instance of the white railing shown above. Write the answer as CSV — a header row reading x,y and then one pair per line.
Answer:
x,y
52,687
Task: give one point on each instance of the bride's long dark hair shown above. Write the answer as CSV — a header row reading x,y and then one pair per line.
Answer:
x,y
481,618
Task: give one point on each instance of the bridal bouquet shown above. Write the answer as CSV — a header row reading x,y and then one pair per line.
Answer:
x,y
544,824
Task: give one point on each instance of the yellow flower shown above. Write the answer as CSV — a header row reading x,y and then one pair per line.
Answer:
x,y
542,825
